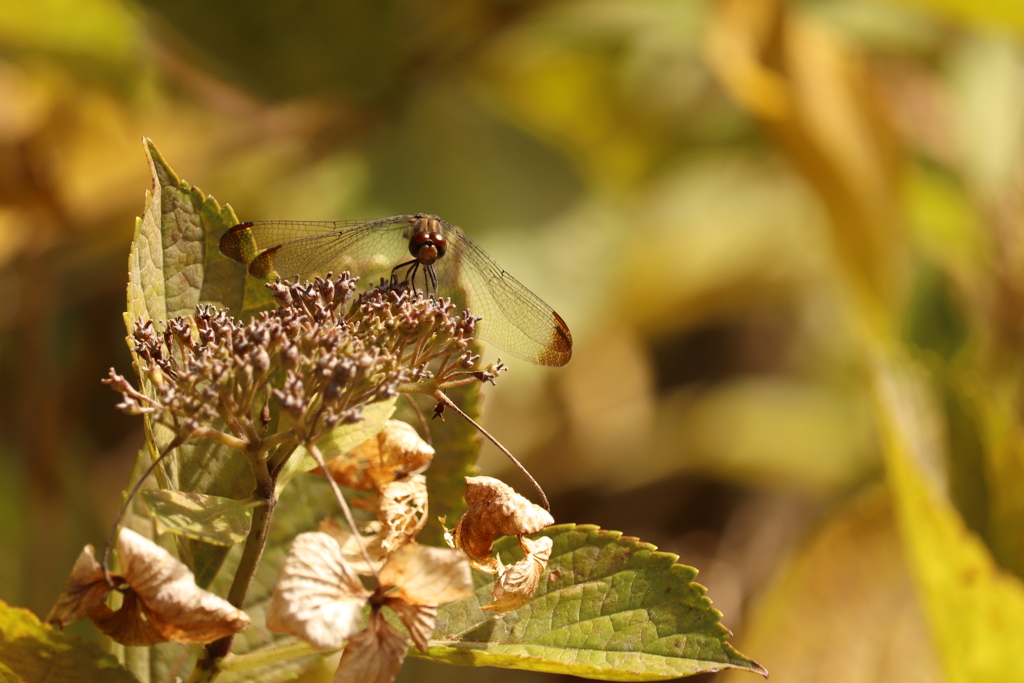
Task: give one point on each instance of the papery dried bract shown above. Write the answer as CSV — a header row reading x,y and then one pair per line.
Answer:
x,y
424,578
126,625
396,452
374,655
428,575
318,596
350,550
401,515
517,583
179,609
402,510
161,603
317,593
478,547
84,591
495,509
419,620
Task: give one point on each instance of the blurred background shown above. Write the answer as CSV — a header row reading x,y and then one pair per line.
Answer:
x,y
734,204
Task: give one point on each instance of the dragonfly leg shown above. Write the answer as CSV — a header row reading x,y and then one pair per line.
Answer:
x,y
430,278
410,271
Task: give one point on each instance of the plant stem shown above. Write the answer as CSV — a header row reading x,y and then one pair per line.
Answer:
x,y
208,667
220,437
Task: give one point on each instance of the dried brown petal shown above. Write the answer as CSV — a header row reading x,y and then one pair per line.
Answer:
x,y
495,509
403,451
396,452
462,538
428,575
84,592
350,469
161,603
350,547
318,597
496,504
129,624
418,619
517,583
402,508
374,655
182,611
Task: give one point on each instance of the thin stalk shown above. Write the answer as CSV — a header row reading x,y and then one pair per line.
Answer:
x,y
343,504
450,403
221,437
177,441
422,419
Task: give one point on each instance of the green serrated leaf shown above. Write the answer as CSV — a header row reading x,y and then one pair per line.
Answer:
x,y
211,519
174,265
340,440
175,262
165,270
610,607
32,651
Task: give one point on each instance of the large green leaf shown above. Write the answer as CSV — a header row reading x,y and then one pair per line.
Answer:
x,y
610,607
31,651
174,265
211,519
175,262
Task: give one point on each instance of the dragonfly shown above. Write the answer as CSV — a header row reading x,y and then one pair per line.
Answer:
x,y
429,253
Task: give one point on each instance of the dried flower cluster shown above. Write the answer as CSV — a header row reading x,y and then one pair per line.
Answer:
x,y
319,358
320,598
210,368
391,465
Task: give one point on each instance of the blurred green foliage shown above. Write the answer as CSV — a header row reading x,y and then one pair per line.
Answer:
x,y
787,237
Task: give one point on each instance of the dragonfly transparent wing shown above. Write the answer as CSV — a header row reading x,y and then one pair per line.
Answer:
x,y
311,248
514,318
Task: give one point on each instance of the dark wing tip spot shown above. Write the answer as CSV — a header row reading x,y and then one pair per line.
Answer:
x,y
232,242
263,265
559,351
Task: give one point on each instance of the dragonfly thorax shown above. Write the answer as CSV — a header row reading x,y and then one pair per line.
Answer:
x,y
426,242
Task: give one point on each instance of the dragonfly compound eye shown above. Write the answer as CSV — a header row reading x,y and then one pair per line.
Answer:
x,y
427,248
440,242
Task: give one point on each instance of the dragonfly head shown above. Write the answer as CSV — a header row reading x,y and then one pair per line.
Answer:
x,y
426,241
